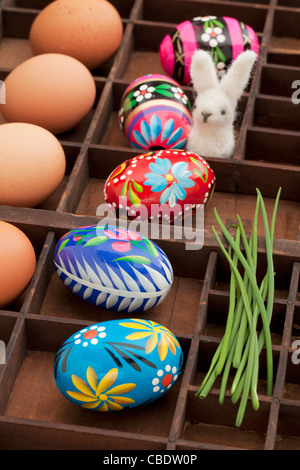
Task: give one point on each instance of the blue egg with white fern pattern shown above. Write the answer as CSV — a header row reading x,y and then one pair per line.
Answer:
x,y
114,268
118,364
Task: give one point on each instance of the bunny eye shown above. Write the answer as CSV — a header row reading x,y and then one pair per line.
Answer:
x,y
223,112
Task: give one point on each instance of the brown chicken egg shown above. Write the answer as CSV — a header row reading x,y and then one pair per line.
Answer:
x,y
17,263
89,30
32,164
54,91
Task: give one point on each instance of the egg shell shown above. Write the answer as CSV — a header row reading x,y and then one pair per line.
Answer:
x,y
32,164
53,91
114,268
169,182
17,261
118,364
90,30
155,113
225,37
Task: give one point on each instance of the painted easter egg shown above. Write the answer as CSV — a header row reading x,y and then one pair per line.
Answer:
x,y
114,268
118,364
155,113
225,37
160,184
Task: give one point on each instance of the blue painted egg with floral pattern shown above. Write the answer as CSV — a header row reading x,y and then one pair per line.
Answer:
x,y
118,364
155,113
114,268
224,37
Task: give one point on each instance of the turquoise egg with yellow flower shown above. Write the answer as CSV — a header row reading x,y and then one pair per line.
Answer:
x,y
118,364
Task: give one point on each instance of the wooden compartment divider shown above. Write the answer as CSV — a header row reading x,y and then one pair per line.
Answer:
x,y
33,415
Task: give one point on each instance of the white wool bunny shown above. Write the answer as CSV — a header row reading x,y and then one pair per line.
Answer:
x,y
212,131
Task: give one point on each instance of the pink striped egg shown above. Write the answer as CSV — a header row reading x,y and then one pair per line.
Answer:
x,y
155,113
225,37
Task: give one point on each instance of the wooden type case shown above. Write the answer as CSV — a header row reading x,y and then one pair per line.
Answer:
x,y
33,414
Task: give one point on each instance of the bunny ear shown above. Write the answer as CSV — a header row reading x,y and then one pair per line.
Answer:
x,y
236,79
203,71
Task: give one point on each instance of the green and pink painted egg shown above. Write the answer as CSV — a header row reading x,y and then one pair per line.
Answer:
x,y
118,364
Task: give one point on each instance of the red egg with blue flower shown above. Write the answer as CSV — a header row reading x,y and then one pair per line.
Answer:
x,y
155,113
162,184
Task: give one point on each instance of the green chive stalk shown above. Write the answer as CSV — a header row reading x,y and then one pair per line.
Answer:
x,y
232,305
251,252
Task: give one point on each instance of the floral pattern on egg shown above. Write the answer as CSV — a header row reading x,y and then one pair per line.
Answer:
x,y
164,379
